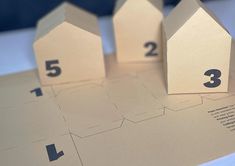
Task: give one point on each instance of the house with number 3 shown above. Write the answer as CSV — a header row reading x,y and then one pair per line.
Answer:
x,y
197,49
68,46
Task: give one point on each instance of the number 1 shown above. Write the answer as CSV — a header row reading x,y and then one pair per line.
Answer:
x,y
37,91
52,153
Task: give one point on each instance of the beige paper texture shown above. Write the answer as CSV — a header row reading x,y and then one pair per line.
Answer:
x,y
127,119
29,123
34,154
16,89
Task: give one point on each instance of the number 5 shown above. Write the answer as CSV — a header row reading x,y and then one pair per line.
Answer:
x,y
55,71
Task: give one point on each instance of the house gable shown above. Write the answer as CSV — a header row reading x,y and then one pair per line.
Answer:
x,y
201,21
82,19
67,12
67,27
120,4
211,14
157,3
50,21
182,13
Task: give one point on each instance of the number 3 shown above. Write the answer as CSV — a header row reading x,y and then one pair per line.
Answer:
x,y
55,71
214,74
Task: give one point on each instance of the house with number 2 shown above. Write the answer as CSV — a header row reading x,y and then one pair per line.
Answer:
x,y
137,27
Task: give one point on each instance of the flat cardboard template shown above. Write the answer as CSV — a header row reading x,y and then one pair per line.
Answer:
x,y
126,119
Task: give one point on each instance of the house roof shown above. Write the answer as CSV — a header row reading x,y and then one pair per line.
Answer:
x,y
157,3
71,14
182,13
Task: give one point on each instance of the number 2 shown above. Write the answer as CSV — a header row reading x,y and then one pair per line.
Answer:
x,y
214,74
152,49
55,70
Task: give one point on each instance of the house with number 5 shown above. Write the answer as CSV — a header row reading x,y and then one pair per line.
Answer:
x,y
137,28
197,49
68,46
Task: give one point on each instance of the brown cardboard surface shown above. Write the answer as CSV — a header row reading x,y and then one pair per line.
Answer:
x,y
127,119
136,105
16,89
88,111
154,82
30,122
231,90
117,70
195,44
135,39
69,50
233,57
57,89
35,154
217,96
189,137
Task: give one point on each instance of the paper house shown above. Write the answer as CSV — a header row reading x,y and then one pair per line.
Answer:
x,y
197,50
68,46
137,26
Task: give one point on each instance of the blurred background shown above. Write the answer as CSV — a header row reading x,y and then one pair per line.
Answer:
x,y
18,14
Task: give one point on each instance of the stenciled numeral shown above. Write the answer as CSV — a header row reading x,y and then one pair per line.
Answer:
x,y
37,91
152,46
52,153
215,81
53,68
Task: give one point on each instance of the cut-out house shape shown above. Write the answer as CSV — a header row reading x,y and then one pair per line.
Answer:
x,y
68,46
137,27
197,49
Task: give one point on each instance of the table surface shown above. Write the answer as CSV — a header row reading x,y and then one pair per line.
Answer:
x,y
16,52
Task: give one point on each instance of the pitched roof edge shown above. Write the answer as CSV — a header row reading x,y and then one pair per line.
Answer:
x,y
211,14
179,16
69,13
82,19
50,21
118,5
157,3
206,14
